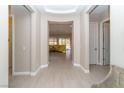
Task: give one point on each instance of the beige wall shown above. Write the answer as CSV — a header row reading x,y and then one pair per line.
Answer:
x,y
44,40
27,48
4,46
21,20
35,41
84,52
117,35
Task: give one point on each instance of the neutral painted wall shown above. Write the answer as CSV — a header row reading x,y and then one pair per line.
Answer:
x,y
35,41
44,40
84,36
4,46
44,35
117,35
21,39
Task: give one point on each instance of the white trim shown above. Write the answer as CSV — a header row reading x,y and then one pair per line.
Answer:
x,y
89,8
107,19
13,44
21,73
44,66
31,73
32,8
41,67
35,72
85,70
76,65
99,64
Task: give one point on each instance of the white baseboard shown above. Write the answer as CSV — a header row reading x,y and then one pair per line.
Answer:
x,y
99,64
35,72
21,73
31,73
44,66
41,67
3,86
85,70
76,65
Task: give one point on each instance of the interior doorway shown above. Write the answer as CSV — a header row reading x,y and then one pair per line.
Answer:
x,y
106,43
99,36
60,41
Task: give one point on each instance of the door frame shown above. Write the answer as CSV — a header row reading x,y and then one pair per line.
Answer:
x,y
101,40
72,38
13,44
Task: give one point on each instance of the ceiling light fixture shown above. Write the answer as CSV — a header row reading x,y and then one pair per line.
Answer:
x,y
61,9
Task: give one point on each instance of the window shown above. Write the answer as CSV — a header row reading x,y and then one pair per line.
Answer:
x,y
62,41
65,41
68,43
53,41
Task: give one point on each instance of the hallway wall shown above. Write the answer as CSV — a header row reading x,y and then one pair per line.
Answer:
x,y
21,40
117,36
35,41
44,35
84,36
3,46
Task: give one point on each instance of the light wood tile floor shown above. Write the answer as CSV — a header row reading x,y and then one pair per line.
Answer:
x,y
60,74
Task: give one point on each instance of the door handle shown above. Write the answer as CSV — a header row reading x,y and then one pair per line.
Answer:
x,y
95,49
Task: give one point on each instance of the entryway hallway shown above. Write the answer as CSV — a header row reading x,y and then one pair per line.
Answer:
x,y
61,73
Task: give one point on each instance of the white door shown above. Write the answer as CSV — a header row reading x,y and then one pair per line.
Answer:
x,y
21,39
106,43
93,37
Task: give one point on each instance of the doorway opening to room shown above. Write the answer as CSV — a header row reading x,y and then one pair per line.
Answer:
x,y
99,37
60,42
106,42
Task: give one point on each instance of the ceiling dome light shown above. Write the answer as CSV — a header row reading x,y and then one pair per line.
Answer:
x,y
61,9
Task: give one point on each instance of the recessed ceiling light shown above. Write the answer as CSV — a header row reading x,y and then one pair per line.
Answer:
x,y
61,9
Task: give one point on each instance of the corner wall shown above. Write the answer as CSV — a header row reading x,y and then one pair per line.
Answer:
x,y
84,36
117,35
35,42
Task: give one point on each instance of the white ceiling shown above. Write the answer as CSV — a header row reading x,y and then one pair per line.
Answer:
x,y
60,28
60,9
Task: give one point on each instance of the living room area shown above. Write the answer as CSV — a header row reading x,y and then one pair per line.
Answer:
x,y
60,41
